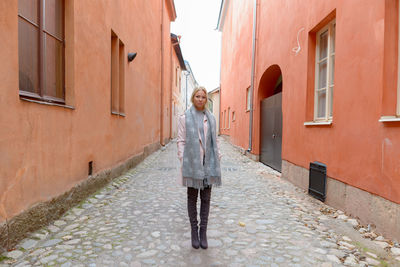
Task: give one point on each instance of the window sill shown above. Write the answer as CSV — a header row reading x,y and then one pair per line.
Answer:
x,y
389,119
318,123
46,103
118,114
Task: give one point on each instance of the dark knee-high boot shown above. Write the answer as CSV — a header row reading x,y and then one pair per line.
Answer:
x,y
192,212
205,196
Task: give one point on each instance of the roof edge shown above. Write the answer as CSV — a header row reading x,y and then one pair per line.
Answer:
x,y
189,69
222,14
171,9
178,51
214,90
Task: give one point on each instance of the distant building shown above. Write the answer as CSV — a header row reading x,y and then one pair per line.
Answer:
x,y
213,104
178,66
189,83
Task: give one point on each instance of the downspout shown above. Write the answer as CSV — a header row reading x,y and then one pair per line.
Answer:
x,y
170,92
253,56
162,76
220,88
219,110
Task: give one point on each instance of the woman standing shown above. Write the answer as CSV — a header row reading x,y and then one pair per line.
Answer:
x,y
199,154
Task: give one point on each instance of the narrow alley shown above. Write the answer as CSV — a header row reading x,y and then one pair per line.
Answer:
x,y
256,219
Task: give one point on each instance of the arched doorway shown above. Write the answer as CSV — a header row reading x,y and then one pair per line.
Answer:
x,y
270,95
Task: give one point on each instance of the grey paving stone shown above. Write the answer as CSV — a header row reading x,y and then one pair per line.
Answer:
x,y
48,259
51,242
15,254
28,244
147,254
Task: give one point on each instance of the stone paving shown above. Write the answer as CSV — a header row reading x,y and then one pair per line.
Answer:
x,y
256,219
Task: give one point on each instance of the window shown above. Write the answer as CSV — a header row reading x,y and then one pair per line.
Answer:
x,y
324,72
233,116
224,119
248,99
117,75
41,49
176,76
210,105
221,123
229,115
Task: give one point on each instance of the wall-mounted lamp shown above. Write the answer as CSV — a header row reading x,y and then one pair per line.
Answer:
x,y
131,56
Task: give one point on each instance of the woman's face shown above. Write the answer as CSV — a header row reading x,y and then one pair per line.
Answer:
x,y
200,100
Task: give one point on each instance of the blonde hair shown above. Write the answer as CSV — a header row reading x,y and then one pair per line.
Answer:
x,y
197,89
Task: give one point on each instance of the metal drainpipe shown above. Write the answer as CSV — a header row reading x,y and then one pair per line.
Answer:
x,y
252,76
162,76
170,93
220,87
219,110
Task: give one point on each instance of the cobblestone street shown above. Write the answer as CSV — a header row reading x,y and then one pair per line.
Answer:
x,y
256,219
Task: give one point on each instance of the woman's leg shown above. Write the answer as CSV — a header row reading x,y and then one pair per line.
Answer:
x,y
205,196
192,212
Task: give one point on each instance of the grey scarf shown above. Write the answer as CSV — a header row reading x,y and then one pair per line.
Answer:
x,y
194,173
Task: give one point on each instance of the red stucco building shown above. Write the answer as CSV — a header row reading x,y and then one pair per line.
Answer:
x,y
305,81
76,111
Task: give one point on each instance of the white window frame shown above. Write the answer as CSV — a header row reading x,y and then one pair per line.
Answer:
x,y
329,86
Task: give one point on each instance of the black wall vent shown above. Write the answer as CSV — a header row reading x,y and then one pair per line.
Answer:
x,y
317,181
90,172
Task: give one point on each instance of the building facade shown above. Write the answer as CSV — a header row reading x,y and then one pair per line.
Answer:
x,y
178,65
188,84
318,81
213,105
80,107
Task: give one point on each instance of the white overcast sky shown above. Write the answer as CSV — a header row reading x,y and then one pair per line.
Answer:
x,y
200,43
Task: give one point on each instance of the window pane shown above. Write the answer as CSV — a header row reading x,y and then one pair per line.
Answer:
x,y
229,116
114,73
121,84
29,9
322,74
331,101
54,17
28,56
332,71
321,104
323,45
333,37
54,67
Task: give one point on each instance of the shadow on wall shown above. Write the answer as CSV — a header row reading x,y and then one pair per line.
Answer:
x,y
269,83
